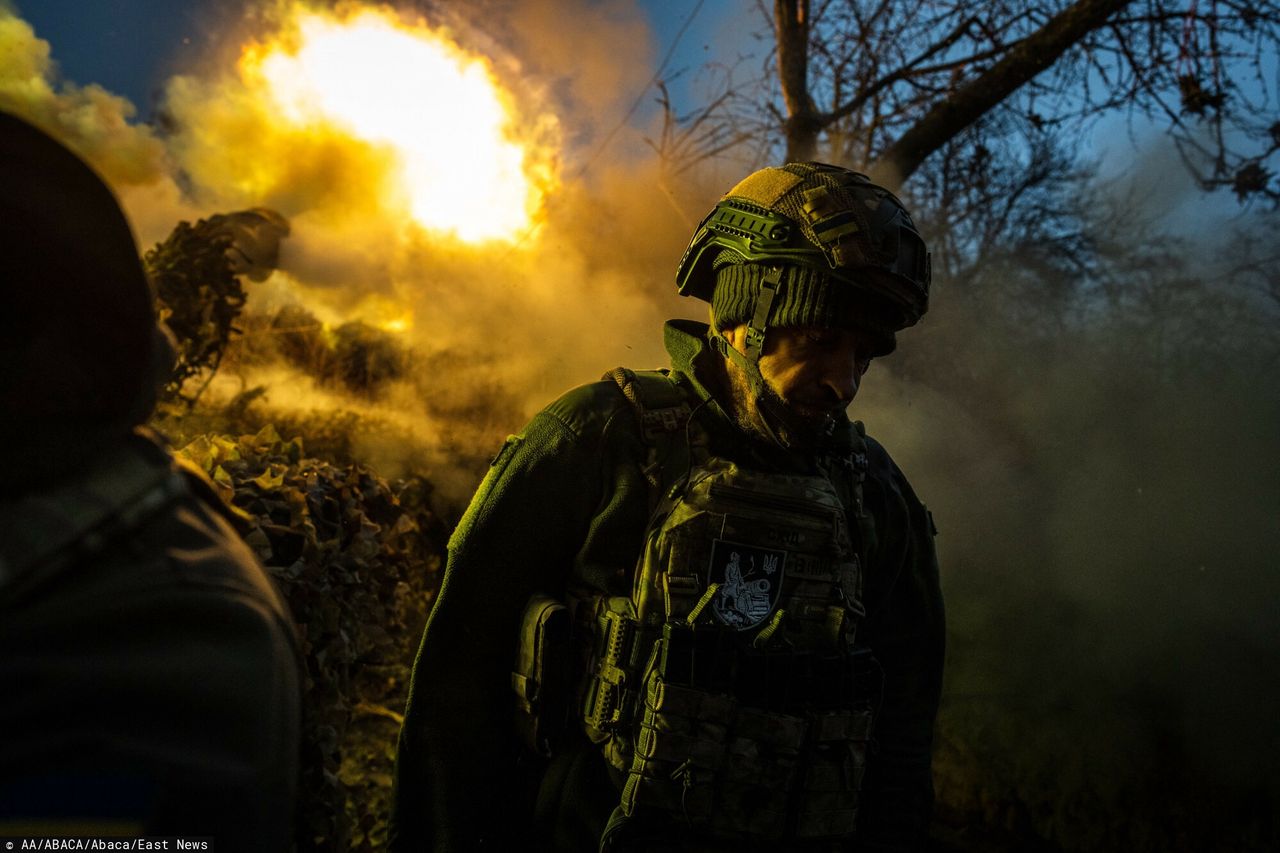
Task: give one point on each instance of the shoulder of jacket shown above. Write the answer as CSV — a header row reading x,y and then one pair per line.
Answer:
x,y
45,530
881,468
876,451
880,465
587,409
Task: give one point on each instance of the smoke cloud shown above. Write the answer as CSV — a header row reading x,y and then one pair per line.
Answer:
x,y
1103,479
93,122
499,328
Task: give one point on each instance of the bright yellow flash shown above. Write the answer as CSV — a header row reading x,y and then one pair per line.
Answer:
x,y
406,87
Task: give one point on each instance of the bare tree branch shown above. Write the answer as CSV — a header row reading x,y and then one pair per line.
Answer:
x,y
963,107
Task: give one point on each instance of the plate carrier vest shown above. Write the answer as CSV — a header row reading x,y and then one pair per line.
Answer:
x,y
727,688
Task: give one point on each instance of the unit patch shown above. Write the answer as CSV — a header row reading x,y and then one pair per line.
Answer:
x,y
750,580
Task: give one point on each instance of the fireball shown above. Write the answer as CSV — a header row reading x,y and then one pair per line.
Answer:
x,y
441,113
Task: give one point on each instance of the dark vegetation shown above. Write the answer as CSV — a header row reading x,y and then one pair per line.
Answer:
x,y
1096,453
1088,408
357,558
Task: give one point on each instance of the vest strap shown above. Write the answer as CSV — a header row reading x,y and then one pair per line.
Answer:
x,y
45,532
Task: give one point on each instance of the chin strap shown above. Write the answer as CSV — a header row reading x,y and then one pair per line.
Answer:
x,y
749,360
760,316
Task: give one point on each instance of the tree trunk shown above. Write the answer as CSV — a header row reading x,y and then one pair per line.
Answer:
x,y
791,20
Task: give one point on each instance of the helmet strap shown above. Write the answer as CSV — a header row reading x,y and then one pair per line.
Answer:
x,y
760,315
749,359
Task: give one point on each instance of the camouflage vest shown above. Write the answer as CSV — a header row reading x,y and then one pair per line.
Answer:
x,y
727,688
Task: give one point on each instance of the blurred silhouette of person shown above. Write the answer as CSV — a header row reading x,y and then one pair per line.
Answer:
x,y
149,677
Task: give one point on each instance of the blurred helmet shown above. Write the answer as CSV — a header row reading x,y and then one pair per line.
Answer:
x,y
844,252
78,345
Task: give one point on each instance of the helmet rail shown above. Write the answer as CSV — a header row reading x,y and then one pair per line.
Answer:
x,y
854,233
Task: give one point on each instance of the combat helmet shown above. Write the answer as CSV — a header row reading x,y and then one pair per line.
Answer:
x,y
809,244
78,334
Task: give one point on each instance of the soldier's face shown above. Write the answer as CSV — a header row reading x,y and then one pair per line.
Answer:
x,y
813,373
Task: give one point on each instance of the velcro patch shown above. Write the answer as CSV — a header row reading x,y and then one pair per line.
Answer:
x,y
831,229
764,187
818,204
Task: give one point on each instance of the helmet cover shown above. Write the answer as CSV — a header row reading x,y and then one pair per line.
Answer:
x,y
831,229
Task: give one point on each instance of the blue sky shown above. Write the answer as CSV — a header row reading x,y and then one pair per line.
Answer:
x,y
130,47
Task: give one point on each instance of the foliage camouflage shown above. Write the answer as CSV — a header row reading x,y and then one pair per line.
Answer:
x,y
198,297
196,273
358,560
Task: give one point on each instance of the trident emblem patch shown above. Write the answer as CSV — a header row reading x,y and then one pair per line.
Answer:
x,y
750,581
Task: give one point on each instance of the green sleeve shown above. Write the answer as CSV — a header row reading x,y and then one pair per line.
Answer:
x,y
457,784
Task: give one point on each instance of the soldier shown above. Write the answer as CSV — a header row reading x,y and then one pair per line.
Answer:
x,y
715,598
149,680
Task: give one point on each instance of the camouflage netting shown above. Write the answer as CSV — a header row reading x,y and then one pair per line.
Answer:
x,y
358,560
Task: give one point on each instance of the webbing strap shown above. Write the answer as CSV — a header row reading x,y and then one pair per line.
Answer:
x,y
663,414
760,317
858,466
47,532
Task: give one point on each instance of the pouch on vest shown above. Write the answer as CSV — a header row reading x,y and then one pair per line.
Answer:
x,y
541,676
